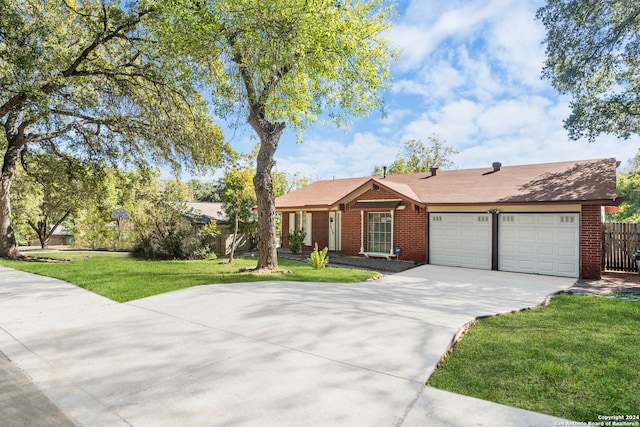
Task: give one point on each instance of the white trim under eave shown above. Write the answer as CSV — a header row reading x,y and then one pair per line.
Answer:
x,y
529,208
378,200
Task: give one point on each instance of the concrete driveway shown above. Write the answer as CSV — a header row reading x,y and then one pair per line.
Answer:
x,y
268,354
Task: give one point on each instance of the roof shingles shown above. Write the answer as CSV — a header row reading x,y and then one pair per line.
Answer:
x,y
577,181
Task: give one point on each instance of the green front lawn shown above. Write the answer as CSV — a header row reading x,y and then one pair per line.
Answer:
x,y
577,358
122,278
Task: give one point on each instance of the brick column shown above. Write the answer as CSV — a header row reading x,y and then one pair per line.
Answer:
x,y
591,242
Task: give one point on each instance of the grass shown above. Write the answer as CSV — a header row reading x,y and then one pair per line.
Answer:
x,y
577,358
122,278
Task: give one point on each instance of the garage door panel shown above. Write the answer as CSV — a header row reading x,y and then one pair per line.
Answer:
x,y
565,251
568,236
547,236
482,247
509,234
522,250
546,220
525,235
546,251
460,240
545,267
568,269
524,265
539,243
525,219
508,264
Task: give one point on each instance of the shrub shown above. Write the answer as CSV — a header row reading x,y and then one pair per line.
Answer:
x,y
319,259
296,239
167,233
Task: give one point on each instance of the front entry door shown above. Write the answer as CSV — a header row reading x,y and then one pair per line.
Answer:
x,y
335,223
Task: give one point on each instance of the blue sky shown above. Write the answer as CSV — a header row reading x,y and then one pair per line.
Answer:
x,y
469,72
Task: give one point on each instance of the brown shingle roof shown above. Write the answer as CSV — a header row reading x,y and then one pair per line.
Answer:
x,y
320,194
576,181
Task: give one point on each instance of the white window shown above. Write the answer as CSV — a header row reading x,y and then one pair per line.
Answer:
x,y
379,232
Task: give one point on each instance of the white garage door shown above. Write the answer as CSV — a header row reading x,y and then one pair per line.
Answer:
x,y
540,243
460,240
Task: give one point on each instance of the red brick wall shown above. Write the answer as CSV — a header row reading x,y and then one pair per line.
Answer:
x,y
409,227
591,242
351,232
319,230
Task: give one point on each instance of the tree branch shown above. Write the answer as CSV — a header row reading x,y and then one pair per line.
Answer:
x,y
55,134
57,224
72,70
102,39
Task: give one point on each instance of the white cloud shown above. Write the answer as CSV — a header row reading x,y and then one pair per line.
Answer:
x,y
396,116
515,39
469,73
427,24
456,123
514,116
327,158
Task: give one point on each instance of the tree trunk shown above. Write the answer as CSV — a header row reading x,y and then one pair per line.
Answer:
x,y
8,245
41,229
233,241
269,134
41,232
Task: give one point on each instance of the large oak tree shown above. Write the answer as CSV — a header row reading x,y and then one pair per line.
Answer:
x,y
284,63
593,54
84,78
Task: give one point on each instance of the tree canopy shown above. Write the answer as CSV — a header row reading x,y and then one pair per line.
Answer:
x,y
628,187
416,156
49,190
284,63
593,54
239,199
87,79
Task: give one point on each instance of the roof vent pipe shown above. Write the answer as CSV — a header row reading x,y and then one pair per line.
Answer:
x,y
384,171
434,171
496,166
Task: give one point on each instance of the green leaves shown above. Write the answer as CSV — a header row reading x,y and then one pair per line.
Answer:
x,y
275,57
238,196
415,156
283,63
88,75
593,53
319,259
628,187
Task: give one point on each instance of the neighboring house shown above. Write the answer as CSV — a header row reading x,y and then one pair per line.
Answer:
x,y
204,213
61,237
543,218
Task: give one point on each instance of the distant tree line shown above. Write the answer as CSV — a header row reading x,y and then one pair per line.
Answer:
x,y
54,192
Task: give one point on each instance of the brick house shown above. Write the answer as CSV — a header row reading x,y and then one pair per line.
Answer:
x,y
543,218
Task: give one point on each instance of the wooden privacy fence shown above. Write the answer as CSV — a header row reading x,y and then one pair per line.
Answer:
x,y
620,241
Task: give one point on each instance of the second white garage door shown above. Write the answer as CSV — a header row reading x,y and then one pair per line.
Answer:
x,y
460,240
540,243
